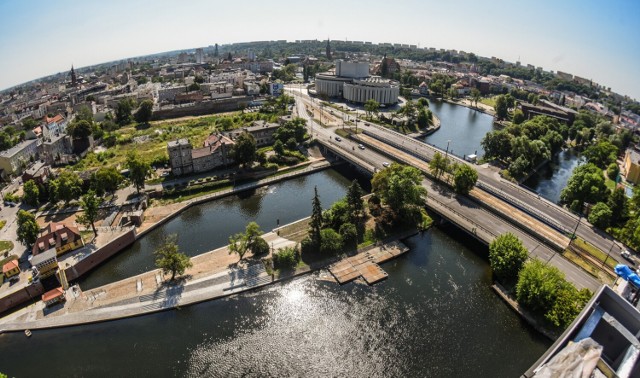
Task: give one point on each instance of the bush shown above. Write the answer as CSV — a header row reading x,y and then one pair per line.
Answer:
x,y
287,257
306,246
349,234
260,247
507,255
613,170
330,242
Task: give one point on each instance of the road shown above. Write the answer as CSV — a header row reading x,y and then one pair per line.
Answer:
x,y
467,213
489,179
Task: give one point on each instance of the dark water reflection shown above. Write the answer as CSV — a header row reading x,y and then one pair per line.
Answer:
x,y
464,127
553,177
435,316
208,226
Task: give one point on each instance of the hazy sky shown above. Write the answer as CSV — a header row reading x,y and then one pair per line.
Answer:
x,y
598,40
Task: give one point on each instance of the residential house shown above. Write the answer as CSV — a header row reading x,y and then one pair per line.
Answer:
x,y
53,297
10,269
261,131
60,237
46,263
39,172
54,126
631,165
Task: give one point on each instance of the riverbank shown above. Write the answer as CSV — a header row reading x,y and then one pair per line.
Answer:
x,y
482,108
215,274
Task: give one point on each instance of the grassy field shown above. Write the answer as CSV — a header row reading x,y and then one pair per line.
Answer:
x,y
490,101
151,142
2,224
587,266
595,252
5,246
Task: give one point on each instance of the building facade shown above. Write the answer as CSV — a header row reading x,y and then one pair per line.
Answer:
x,y
631,166
16,159
214,153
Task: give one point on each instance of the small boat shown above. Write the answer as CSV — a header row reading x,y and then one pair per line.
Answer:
x,y
27,332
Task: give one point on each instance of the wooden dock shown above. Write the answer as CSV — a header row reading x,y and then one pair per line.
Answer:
x,y
365,264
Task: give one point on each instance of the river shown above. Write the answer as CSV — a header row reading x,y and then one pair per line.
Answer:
x,y
553,177
435,316
463,127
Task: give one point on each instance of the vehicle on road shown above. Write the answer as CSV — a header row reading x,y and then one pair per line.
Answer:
x,y
626,255
338,139
360,146
385,164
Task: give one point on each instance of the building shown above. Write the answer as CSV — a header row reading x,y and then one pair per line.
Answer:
x,y
275,89
10,269
15,159
39,172
261,131
169,93
352,82
631,165
199,56
214,153
53,297
54,126
558,112
60,237
46,263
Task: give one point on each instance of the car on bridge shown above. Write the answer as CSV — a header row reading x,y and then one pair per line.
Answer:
x,y
360,146
627,256
385,164
338,139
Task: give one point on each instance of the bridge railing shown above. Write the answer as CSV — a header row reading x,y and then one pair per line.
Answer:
x,y
452,210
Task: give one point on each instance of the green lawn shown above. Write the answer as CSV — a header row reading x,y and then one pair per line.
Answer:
x,y
5,246
2,223
490,101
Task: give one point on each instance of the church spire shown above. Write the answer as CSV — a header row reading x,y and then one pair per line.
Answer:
x,y
74,80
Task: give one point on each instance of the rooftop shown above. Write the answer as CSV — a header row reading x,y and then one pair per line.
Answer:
x,y
17,148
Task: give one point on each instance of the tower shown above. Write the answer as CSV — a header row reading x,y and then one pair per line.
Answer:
x,y
328,50
74,80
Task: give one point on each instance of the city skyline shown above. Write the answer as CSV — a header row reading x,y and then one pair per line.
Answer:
x,y
591,39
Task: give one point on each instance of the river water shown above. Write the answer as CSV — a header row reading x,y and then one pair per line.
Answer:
x,y
435,316
553,177
464,127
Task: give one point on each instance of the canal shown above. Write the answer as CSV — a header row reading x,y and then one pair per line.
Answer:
x,y
553,177
435,316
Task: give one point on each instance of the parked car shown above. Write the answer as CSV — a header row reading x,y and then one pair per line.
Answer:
x,y
361,147
385,164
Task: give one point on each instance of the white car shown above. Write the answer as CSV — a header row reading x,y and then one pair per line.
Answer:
x,y
361,147
385,164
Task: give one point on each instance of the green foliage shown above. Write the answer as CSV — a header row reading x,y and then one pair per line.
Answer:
x,y
123,111
568,304
80,129
585,185
67,187
601,154
600,215
355,204
507,256
106,180
316,222
294,129
250,240
145,111
138,170
400,187
278,148
27,228
372,107
501,107
497,144
349,234
286,258
90,203
244,149
170,259
31,193
330,242
619,208
464,178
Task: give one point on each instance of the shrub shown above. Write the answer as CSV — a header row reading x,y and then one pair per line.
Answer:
x,y
287,257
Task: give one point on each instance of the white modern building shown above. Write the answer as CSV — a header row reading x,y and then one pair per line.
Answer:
x,y
351,81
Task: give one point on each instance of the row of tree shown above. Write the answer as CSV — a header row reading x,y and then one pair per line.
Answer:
x,y
539,287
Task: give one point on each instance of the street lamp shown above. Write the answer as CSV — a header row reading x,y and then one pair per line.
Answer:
x,y
446,157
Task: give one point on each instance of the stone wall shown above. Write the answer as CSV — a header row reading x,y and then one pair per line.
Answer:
x,y
202,108
29,292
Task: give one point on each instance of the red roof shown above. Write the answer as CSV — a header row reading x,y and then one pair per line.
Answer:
x,y
53,294
56,118
57,235
9,266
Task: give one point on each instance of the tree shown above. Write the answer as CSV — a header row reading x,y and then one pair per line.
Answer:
x,y
507,256
568,304
475,95
278,148
84,114
106,180
355,204
138,170
538,285
497,144
90,203
27,228
31,193
371,106
80,129
245,149
501,107
613,170
170,259
67,187
601,154
123,112
145,111
400,187
619,208
349,234
600,215
585,185
250,240
518,117
315,224
423,118
330,242
464,179
193,87
438,165
437,88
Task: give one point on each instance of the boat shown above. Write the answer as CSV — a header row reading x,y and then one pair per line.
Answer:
x,y
27,332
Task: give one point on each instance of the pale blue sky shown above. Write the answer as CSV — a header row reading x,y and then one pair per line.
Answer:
x,y
599,40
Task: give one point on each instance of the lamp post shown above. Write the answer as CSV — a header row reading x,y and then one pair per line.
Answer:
x,y
609,253
446,157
